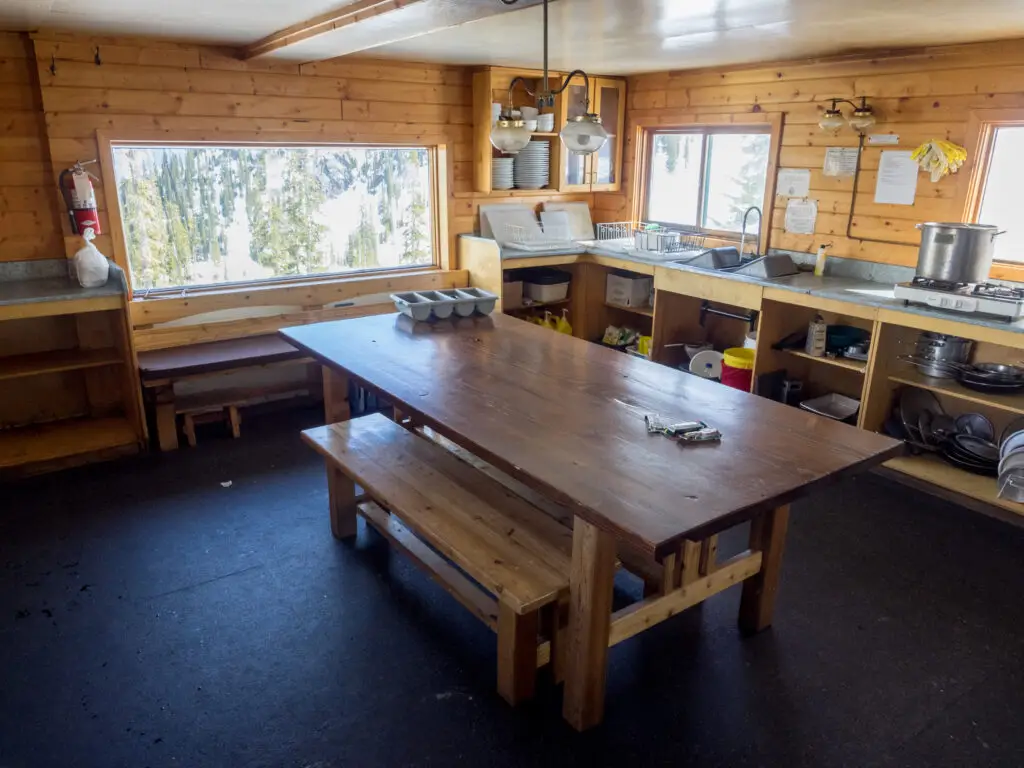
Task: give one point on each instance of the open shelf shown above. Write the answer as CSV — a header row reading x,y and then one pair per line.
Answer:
x,y
16,366
540,305
1012,403
839,362
645,311
55,440
932,469
522,192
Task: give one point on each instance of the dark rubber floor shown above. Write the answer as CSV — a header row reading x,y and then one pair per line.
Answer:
x,y
150,616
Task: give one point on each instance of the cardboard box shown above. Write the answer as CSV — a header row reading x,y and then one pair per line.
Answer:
x,y
628,290
512,294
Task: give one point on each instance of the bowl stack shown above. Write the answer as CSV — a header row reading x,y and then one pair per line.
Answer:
x,y
532,166
501,173
546,122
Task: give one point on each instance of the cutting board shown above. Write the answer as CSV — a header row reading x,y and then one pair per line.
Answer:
x,y
493,219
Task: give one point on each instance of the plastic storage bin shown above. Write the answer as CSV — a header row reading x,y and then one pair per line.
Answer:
x,y
546,285
628,290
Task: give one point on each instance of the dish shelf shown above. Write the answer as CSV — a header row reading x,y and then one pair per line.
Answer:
x,y
55,361
839,362
1011,403
645,311
932,469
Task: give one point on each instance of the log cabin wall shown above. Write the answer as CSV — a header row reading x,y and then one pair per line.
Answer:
x,y
919,95
151,85
29,218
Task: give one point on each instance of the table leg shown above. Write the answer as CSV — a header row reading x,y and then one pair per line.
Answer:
x,y
340,489
768,536
590,610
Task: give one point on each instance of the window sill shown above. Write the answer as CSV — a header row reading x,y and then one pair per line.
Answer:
x,y
1007,271
313,281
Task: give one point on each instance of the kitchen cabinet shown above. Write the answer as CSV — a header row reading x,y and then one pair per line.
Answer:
x,y
490,85
601,171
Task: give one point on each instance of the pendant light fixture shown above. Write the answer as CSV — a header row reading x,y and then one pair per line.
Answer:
x,y
863,116
581,135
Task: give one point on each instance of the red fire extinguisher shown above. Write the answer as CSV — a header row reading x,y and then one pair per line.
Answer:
x,y
80,198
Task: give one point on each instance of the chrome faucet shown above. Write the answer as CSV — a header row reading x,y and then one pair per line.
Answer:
x,y
743,228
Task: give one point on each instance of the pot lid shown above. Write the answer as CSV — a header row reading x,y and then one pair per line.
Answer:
x,y
959,225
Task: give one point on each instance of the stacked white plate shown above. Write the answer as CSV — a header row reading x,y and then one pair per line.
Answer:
x,y
501,173
532,167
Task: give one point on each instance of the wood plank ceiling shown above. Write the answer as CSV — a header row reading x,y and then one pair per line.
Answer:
x,y
610,36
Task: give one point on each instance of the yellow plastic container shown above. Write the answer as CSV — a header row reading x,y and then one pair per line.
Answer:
x,y
739,358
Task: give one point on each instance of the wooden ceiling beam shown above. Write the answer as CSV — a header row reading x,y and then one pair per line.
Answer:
x,y
353,13
364,24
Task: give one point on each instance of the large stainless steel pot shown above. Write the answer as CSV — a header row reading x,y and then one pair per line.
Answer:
x,y
956,253
938,355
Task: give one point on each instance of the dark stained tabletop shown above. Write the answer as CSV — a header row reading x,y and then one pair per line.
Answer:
x,y
566,417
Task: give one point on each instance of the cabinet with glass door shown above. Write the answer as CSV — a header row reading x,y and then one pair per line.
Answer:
x,y
601,171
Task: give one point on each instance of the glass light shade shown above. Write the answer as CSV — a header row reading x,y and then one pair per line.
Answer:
x,y
862,119
584,135
832,120
509,135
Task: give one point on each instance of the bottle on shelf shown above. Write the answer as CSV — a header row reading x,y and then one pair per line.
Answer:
x,y
817,335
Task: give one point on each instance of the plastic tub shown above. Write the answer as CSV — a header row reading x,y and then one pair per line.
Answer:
x,y
546,285
738,368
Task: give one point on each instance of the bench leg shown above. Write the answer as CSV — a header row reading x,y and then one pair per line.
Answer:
x,y
341,490
189,428
517,654
757,603
166,423
235,419
590,609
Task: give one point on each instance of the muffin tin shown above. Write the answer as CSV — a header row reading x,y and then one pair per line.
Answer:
x,y
461,302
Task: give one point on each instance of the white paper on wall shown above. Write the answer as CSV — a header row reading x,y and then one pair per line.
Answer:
x,y
793,182
801,216
840,161
897,179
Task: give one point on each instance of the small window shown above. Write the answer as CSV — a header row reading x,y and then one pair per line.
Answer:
x,y
203,215
706,179
1000,192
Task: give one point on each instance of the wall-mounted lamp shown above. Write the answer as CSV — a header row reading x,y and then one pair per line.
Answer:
x,y
863,116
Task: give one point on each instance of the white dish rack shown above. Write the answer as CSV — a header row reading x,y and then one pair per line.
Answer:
x,y
641,237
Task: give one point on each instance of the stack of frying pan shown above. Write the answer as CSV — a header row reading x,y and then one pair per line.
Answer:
x,y
992,378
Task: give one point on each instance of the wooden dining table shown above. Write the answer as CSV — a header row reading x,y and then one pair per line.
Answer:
x,y
566,417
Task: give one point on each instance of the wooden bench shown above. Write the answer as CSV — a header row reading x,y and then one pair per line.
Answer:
x,y
456,522
161,369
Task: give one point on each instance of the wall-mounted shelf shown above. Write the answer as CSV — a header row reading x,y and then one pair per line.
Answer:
x,y
55,361
1012,403
839,362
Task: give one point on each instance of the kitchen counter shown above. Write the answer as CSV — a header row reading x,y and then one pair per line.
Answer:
x,y
857,291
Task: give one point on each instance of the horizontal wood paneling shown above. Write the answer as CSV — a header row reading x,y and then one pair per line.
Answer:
x,y
29,225
918,94
147,86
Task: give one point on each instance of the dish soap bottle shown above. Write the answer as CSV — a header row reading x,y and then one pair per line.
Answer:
x,y
817,335
819,262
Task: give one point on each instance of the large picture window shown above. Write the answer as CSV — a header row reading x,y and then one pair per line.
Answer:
x,y
705,179
1000,191
205,215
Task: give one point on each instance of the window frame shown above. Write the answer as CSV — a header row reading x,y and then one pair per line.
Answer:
x,y
982,125
439,169
646,129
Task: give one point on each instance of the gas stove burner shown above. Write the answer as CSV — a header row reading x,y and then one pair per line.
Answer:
x,y
939,285
996,291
